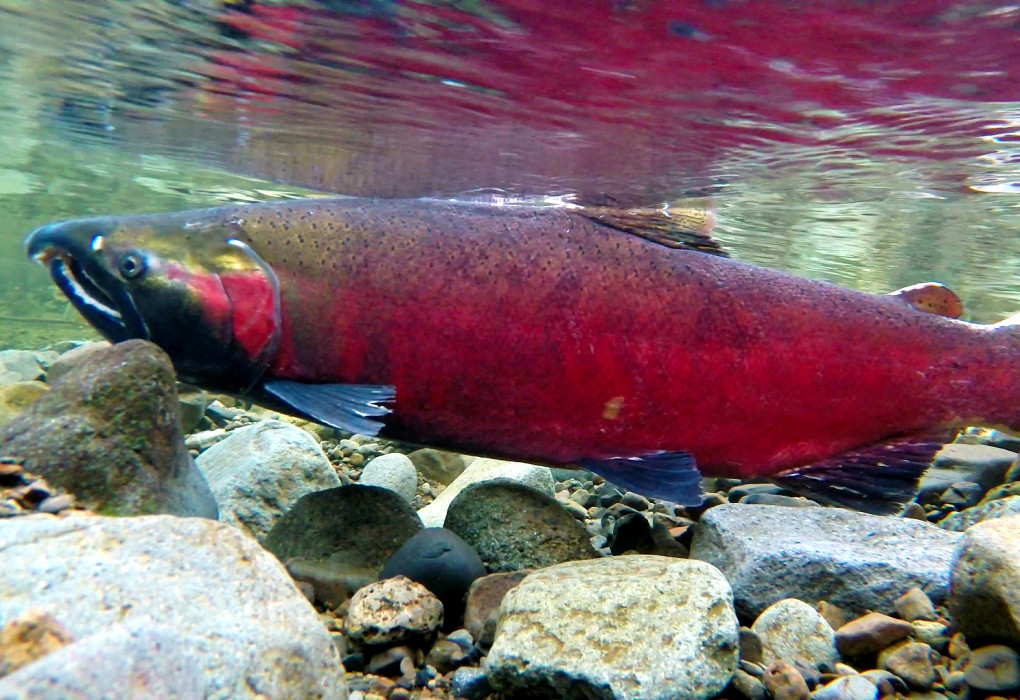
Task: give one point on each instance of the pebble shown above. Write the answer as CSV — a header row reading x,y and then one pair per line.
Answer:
x,y
855,687
748,686
989,510
933,633
669,631
22,363
833,614
784,682
985,597
915,605
512,526
635,501
394,472
393,611
442,562
791,629
436,465
483,600
16,397
994,668
751,648
870,633
205,439
394,662
857,561
911,661
470,683
962,494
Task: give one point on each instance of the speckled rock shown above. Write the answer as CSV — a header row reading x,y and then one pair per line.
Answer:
x,y
438,466
538,478
71,358
28,637
870,633
258,472
108,432
442,562
791,628
911,661
855,560
995,667
915,605
985,596
483,601
360,525
981,464
393,611
668,630
248,631
16,397
394,472
135,661
785,682
989,510
513,526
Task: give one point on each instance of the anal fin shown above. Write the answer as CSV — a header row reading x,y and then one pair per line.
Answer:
x,y
350,407
669,476
878,479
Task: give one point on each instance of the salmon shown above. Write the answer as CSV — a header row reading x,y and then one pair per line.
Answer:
x,y
622,341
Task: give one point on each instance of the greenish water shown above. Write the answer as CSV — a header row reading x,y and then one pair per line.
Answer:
x,y
151,106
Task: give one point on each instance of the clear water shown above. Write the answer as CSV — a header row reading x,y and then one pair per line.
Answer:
x,y
875,144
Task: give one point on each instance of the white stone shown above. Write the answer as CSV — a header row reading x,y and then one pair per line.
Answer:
x,y
394,472
538,478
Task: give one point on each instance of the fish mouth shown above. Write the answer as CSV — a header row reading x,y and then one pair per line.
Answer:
x,y
102,299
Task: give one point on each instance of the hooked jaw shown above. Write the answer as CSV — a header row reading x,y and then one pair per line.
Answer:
x,y
71,250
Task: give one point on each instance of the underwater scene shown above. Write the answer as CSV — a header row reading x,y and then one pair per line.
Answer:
x,y
390,349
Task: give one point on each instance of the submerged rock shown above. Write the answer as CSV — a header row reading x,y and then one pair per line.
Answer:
x,y
107,431
857,561
513,526
394,472
16,397
985,596
538,478
393,611
436,465
981,464
257,473
989,510
360,525
442,562
483,601
639,626
186,603
790,629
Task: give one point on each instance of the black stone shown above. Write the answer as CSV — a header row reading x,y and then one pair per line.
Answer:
x,y
442,562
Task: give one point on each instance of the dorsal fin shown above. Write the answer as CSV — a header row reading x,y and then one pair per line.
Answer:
x,y
685,223
932,298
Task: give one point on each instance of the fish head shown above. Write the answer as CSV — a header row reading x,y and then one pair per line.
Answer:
x,y
188,282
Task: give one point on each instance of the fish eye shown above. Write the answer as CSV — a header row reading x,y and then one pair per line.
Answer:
x,y
132,265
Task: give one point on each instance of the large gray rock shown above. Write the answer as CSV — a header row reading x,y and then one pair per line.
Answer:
x,y
985,595
981,464
108,432
538,478
639,626
240,627
513,526
989,510
138,661
857,561
258,472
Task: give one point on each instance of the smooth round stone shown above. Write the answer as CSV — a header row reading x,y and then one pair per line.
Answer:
x,y
915,605
748,686
442,562
911,661
962,494
394,472
784,682
934,634
985,598
635,501
870,633
995,667
393,611
483,601
847,688
436,465
791,629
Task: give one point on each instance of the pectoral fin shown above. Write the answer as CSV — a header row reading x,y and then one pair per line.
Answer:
x,y
670,476
878,479
350,407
